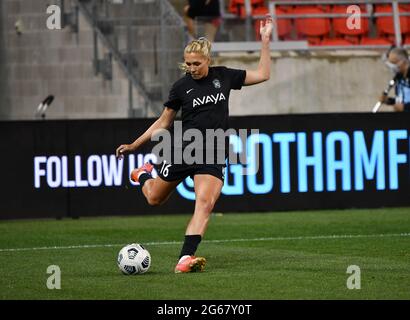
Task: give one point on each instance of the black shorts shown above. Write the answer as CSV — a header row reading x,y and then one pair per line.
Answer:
x,y
178,172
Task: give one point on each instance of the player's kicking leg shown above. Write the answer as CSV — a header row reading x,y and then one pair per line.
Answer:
x,y
207,191
156,191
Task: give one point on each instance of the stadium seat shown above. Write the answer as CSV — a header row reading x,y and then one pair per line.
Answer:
x,y
335,42
405,7
340,24
385,25
375,41
311,28
324,7
284,25
285,8
341,29
407,40
238,6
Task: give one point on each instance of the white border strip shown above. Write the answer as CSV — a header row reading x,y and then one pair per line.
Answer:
x,y
319,237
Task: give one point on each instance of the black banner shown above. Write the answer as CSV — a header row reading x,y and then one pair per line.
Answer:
x,y
318,161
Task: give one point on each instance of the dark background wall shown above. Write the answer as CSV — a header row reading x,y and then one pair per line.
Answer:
x,y
67,168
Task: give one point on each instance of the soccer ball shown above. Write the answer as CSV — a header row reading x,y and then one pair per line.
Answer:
x,y
134,259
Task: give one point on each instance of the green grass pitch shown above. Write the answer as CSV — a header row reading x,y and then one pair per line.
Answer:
x,y
282,255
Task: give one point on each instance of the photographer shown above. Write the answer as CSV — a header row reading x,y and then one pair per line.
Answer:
x,y
398,62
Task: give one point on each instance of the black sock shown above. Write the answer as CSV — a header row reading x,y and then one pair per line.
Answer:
x,y
190,245
144,177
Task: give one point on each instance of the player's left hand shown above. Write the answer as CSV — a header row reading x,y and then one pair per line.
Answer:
x,y
266,28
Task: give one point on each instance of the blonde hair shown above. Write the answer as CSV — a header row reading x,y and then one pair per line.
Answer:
x,y
201,46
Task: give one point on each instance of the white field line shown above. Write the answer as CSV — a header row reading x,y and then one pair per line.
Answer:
x,y
319,237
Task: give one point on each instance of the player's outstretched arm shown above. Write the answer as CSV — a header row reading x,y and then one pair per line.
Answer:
x,y
163,122
262,73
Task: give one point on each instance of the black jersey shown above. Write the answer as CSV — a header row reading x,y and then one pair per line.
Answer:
x,y
205,102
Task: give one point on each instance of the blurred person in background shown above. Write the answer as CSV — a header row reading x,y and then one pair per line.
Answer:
x,y
206,12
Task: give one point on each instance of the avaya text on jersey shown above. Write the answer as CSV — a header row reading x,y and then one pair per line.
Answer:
x,y
208,99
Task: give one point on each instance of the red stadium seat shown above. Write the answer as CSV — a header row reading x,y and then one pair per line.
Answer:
x,y
340,24
238,6
335,42
324,7
375,41
407,40
341,28
284,25
285,8
312,28
405,7
385,25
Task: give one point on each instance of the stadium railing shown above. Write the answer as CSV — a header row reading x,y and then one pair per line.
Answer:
x,y
383,23
146,38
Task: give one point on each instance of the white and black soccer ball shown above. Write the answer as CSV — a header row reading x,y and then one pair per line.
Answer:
x,y
134,259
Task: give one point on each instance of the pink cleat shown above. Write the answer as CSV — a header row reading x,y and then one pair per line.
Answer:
x,y
190,264
146,168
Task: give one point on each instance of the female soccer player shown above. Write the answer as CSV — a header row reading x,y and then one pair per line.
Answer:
x,y
196,94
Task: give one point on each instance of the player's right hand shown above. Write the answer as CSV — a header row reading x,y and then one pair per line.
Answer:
x,y
123,149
